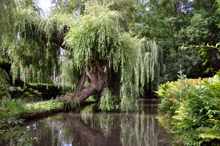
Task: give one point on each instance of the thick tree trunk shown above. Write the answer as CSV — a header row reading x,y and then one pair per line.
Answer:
x,y
92,82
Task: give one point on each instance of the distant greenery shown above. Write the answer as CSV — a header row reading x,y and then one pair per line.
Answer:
x,y
192,108
143,42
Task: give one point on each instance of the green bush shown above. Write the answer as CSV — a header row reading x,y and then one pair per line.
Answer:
x,y
171,93
193,109
108,102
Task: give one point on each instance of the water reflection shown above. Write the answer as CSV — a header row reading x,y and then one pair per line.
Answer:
x,y
68,129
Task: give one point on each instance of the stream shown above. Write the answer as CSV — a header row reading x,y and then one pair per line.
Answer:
x,y
92,129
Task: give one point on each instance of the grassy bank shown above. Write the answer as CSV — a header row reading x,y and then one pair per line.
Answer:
x,y
190,109
12,111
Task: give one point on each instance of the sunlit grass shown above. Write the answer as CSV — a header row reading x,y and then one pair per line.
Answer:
x,y
16,108
44,105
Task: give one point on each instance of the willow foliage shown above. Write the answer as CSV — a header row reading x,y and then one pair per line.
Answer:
x,y
98,35
7,20
19,36
7,16
94,36
34,49
30,41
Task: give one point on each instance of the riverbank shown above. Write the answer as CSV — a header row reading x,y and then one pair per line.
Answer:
x,y
188,109
13,112
94,129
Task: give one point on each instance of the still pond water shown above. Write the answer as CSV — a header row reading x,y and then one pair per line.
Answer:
x,y
100,129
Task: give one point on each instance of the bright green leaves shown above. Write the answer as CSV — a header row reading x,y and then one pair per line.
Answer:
x,y
109,102
95,36
192,106
102,33
7,18
98,36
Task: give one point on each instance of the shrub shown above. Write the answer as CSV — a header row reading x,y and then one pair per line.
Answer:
x,y
193,108
109,102
171,93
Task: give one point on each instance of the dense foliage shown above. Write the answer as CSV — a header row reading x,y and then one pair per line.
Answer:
x,y
192,108
117,51
184,31
100,38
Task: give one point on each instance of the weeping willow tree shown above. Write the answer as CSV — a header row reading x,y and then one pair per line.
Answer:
x,y
99,44
82,51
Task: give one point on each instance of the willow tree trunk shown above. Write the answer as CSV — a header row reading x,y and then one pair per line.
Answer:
x,y
92,82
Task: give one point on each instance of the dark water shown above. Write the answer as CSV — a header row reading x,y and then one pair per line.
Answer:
x,y
100,129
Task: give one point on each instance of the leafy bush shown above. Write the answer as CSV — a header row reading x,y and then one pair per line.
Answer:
x,y
109,102
171,94
192,107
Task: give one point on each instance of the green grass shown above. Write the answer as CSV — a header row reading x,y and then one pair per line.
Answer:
x,y
16,108
44,105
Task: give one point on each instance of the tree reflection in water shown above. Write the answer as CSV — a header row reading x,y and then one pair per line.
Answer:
x,y
101,129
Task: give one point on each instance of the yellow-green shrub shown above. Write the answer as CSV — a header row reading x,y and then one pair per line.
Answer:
x,y
171,93
193,108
